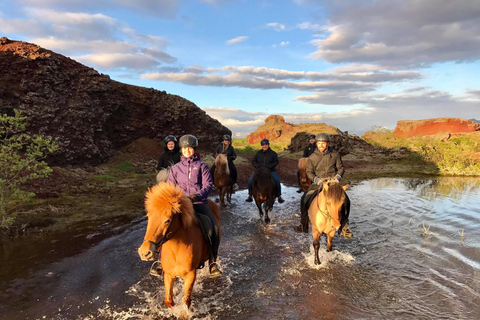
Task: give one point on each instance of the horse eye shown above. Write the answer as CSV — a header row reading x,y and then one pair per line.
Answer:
x,y
168,221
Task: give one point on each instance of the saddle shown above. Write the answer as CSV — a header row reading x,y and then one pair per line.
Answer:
x,y
206,226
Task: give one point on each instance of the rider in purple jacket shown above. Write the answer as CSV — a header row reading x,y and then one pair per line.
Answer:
x,y
193,177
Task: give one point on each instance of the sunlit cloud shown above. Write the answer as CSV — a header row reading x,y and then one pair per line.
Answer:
x,y
237,40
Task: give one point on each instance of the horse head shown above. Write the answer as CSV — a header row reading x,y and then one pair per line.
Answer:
x,y
221,163
333,201
168,211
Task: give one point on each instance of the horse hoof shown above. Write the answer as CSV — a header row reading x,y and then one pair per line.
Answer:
x,y
169,304
267,220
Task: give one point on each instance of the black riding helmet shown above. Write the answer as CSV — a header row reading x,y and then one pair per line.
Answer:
x,y
188,141
226,137
311,136
264,142
324,137
170,138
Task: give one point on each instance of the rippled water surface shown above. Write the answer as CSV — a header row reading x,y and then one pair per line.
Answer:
x,y
415,255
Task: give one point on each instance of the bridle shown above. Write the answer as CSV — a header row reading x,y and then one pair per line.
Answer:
x,y
326,214
167,236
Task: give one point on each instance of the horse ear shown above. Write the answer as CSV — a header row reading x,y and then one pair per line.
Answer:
x,y
180,193
345,187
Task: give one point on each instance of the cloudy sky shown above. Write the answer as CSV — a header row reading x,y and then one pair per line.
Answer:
x,y
351,64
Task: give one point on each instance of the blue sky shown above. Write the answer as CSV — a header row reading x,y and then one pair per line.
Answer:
x,y
351,64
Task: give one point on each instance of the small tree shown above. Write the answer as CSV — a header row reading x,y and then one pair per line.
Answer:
x,y
21,158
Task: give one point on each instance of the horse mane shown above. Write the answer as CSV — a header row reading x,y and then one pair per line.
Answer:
x,y
302,163
222,162
166,198
334,190
163,174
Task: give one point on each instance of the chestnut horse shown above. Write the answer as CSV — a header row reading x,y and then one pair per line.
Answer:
x,y
304,181
173,226
264,191
325,213
222,179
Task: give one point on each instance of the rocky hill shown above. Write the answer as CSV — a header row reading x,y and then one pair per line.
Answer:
x,y
278,131
91,116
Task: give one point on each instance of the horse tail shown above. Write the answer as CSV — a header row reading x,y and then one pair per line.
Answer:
x,y
162,175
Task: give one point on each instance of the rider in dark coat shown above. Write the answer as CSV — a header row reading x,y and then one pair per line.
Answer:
x,y
323,163
268,158
226,147
306,153
171,155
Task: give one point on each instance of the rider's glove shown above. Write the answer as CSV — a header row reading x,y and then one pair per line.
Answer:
x,y
317,180
338,177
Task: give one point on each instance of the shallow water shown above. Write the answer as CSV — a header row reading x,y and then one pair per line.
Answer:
x,y
389,270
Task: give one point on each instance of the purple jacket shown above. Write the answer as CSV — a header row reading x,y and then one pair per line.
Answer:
x,y
192,176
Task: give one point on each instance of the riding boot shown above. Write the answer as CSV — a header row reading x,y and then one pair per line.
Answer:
x,y
249,199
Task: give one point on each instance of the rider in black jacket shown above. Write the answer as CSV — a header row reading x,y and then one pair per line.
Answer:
x,y
226,147
171,154
268,158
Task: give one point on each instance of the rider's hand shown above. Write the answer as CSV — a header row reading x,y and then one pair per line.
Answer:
x,y
338,177
317,180
193,197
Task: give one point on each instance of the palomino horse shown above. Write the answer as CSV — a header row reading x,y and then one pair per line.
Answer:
x,y
173,226
304,181
325,213
264,191
222,179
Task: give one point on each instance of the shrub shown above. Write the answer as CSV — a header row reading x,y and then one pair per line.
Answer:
x,y
21,158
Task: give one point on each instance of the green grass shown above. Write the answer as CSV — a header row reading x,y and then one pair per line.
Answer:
x,y
126,166
104,177
451,157
243,147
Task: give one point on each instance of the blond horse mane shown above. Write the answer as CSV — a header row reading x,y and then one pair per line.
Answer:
x,y
302,163
221,161
333,190
166,198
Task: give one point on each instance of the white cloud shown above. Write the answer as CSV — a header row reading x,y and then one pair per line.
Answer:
x,y
400,33
118,60
276,26
237,40
284,43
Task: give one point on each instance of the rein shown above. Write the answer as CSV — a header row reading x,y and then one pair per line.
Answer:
x,y
167,236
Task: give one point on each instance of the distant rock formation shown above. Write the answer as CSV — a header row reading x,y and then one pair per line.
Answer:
x,y
89,115
413,128
277,130
342,142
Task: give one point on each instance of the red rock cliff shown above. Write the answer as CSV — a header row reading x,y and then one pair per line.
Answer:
x,y
412,128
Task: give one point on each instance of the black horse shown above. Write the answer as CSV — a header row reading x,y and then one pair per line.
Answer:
x,y
264,191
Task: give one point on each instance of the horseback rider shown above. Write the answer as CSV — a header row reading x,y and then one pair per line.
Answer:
x,y
226,147
268,158
306,153
324,162
193,177
171,154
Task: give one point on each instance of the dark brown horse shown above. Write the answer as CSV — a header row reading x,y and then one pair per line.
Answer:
x,y
264,191
173,226
222,179
304,181
325,213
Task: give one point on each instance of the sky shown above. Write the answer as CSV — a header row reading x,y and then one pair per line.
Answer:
x,y
356,65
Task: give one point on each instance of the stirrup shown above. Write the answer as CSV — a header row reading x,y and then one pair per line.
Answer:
x,y
346,232
156,269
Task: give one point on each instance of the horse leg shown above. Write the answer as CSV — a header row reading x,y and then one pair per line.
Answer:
x,y
189,280
316,244
229,193
168,282
222,197
329,241
259,206
267,218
